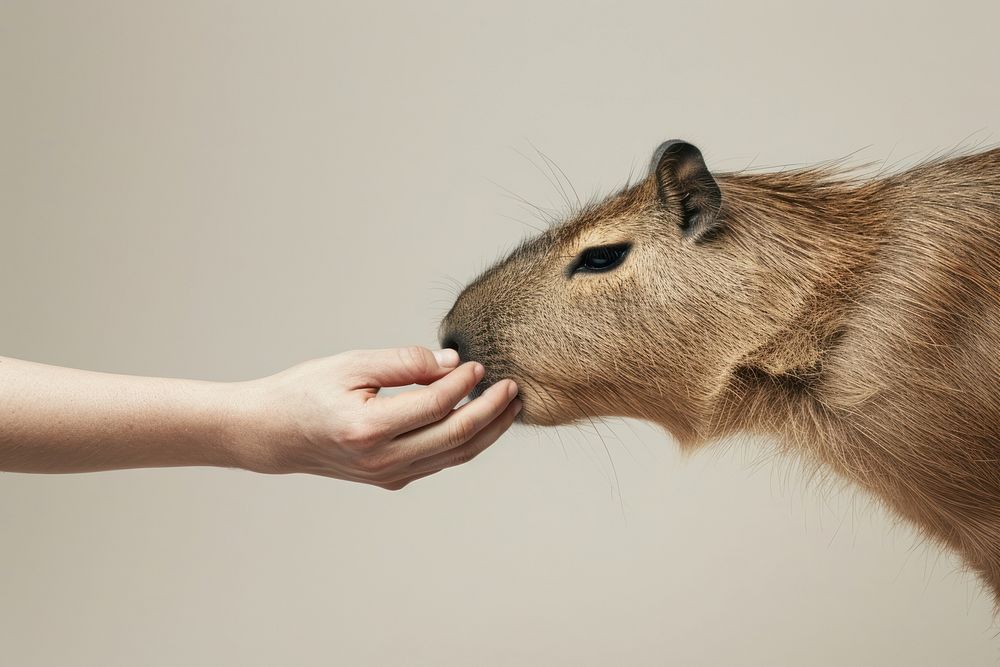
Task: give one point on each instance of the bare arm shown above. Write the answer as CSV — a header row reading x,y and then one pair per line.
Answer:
x,y
325,417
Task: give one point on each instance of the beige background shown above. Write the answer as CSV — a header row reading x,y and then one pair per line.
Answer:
x,y
221,189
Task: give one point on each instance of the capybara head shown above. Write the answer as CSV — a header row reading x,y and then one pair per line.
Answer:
x,y
641,305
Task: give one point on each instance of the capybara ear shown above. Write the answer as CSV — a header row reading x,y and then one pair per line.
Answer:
x,y
683,183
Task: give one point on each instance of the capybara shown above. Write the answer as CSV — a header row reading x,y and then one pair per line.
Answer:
x,y
854,319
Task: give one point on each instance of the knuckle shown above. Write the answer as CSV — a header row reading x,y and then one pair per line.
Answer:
x,y
463,458
437,406
351,359
393,486
358,435
350,356
460,432
466,454
375,465
416,359
396,484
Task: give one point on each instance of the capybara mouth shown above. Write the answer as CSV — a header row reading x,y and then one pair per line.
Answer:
x,y
488,382
478,390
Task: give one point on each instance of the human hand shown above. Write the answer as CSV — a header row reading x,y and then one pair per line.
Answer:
x,y
326,417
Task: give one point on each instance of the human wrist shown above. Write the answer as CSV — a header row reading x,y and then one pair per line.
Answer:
x,y
243,440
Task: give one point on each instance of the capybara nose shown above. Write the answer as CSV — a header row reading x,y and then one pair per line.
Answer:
x,y
456,342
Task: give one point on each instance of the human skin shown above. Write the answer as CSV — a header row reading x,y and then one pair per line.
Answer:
x,y
323,417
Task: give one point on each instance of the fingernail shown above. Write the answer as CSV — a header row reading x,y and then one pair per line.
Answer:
x,y
479,371
511,390
446,357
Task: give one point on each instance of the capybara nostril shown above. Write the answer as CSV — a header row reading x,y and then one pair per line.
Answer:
x,y
450,343
457,343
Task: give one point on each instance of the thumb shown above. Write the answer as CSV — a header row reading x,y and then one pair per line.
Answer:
x,y
397,367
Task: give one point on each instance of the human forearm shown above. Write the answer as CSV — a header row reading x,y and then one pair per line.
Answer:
x,y
63,420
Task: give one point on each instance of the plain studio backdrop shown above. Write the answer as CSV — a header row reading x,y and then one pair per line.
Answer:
x,y
222,189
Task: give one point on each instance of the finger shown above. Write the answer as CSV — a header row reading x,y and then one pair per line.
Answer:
x,y
458,427
400,483
400,366
419,407
473,448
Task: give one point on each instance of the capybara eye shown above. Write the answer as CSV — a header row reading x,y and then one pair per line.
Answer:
x,y
600,258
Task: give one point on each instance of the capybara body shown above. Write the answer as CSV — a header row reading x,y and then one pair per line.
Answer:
x,y
856,320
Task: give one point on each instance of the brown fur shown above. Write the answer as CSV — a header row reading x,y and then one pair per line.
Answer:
x,y
855,320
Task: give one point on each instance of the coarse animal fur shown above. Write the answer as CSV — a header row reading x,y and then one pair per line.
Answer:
x,y
855,320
